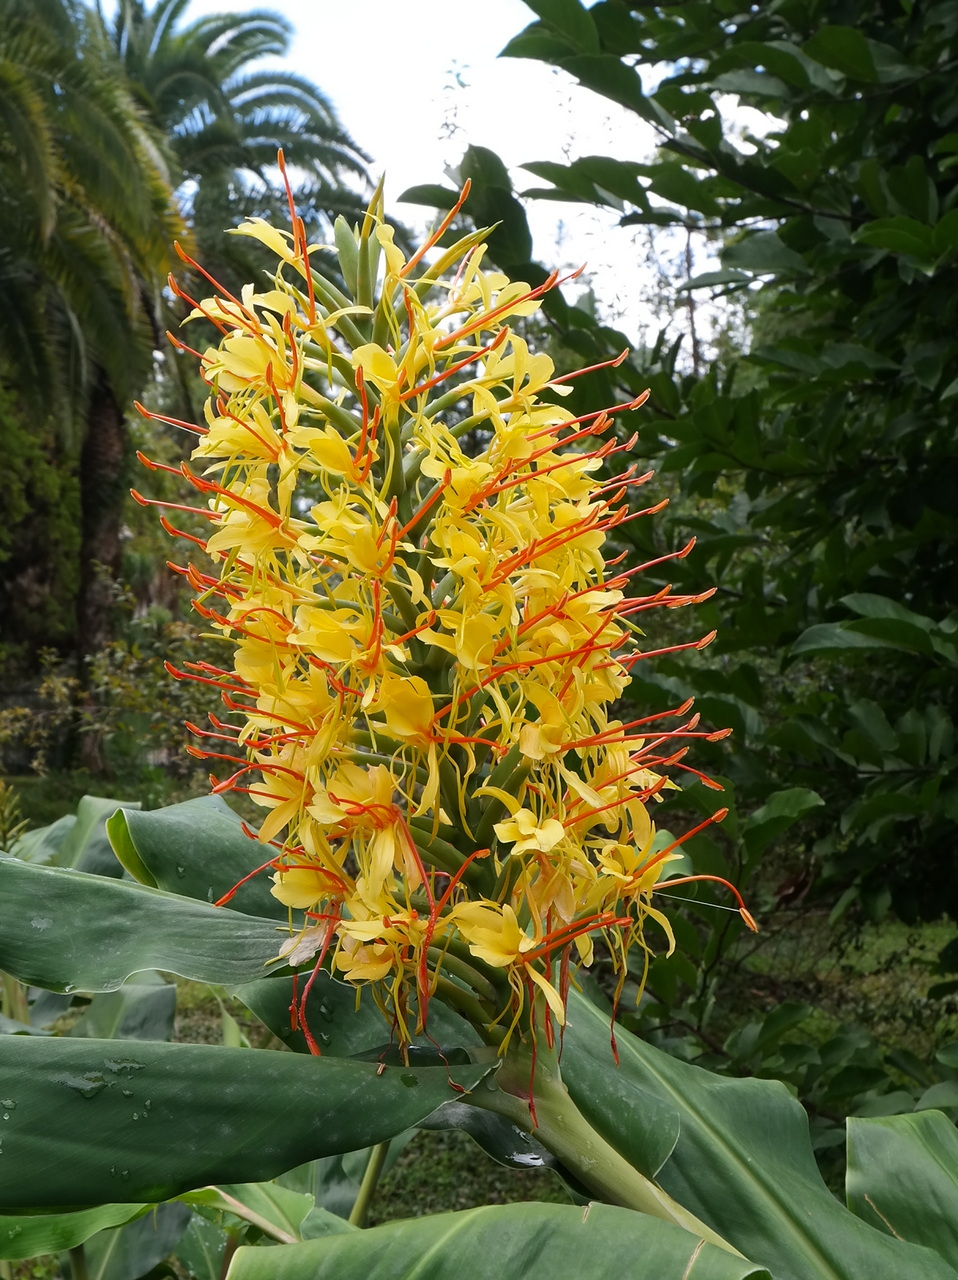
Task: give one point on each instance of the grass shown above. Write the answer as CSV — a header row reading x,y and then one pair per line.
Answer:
x,y
439,1172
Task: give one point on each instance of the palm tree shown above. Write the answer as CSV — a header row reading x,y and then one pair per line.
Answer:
x,y
86,224
224,120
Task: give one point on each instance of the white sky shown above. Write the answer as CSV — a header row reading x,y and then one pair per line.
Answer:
x,y
391,69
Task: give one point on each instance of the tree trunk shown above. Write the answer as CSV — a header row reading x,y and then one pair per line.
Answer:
x,y
103,468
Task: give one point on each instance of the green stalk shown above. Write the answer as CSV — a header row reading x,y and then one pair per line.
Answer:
x,y
563,1129
14,1002
78,1267
464,1002
367,1189
466,973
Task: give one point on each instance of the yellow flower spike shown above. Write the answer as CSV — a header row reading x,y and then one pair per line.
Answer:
x,y
427,643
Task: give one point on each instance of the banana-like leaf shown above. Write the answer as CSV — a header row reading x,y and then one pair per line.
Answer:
x,y
903,1178
743,1162
198,849
275,1210
337,1025
86,846
97,1121
498,1137
201,1249
69,931
143,1010
131,1251
534,1241
44,843
29,1235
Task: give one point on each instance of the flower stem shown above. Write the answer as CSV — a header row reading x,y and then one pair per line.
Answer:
x,y
563,1129
367,1189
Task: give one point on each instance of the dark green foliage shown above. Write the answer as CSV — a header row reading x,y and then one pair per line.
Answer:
x,y
39,539
816,472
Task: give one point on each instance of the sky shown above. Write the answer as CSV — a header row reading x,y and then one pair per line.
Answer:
x,y
415,86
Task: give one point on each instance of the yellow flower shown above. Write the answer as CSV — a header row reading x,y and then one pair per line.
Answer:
x,y
427,644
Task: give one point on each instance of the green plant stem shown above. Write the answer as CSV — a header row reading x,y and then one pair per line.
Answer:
x,y
367,1189
464,1002
240,1210
563,1129
466,973
14,1003
78,1267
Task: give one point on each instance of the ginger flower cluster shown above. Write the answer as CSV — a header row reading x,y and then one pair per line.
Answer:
x,y
427,644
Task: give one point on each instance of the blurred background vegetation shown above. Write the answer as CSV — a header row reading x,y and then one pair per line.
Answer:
x,y
802,422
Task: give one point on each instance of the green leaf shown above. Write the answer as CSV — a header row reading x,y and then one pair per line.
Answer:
x,y
201,1249
945,237
537,42
870,605
485,168
498,1137
743,1162
752,83
69,931
339,1028
535,1241
899,235
903,1178
87,846
895,633
843,49
839,637
198,849
672,181
939,1096
44,844
96,1122
646,1129
570,19
781,810
142,1010
131,1251
28,1235
621,83
762,253
431,194
710,279
263,1204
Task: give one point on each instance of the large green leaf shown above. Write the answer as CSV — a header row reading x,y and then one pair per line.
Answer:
x,y
143,1010
86,846
743,1162
69,931
28,1235
43,844
94,1121
277,1210
338,1026
535,1241
646,1128
198,849
779,812
903,1178
131,1251
498,1137
201,1249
